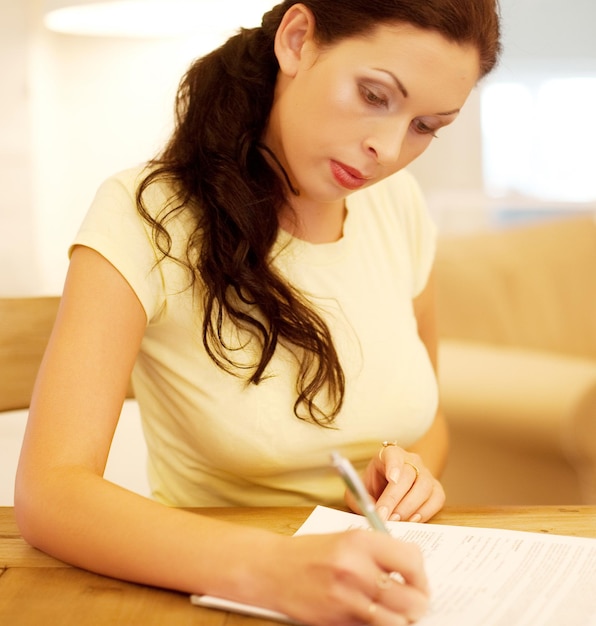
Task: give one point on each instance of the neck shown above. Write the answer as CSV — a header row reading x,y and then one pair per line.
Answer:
x,y
315,224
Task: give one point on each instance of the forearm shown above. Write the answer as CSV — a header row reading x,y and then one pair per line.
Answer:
x,y
88,522
319,579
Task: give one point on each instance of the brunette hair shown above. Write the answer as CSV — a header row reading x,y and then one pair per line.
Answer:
x,y
214,162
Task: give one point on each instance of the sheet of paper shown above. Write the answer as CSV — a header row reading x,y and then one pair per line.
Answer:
x,y
493,577
211,602
485,576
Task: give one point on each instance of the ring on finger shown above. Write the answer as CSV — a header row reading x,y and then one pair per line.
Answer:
x,y
384,580
416,469
384,445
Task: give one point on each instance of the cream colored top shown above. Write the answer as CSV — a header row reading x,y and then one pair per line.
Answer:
x,y
213,440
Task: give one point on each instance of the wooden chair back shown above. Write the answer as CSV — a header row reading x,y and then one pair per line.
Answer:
x,y
25,327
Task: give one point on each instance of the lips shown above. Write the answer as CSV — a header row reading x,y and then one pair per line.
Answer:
x,y
347,176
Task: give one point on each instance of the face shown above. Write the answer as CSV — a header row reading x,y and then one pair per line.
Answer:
x,y
356,112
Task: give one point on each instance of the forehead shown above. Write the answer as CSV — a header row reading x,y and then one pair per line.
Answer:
x,y
417,56
396,40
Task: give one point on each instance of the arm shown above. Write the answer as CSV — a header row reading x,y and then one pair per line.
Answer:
x,y
434,445
402,492
65,507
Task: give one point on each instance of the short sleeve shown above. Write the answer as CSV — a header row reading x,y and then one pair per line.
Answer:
x,y
114,228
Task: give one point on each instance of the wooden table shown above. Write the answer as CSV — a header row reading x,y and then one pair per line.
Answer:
x,y
36,589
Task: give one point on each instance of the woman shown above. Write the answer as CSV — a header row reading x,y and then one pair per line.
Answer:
x,y
276,306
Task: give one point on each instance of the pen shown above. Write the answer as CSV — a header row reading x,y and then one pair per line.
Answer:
x,y
354,484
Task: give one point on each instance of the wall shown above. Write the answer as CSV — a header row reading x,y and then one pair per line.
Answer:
x,y
74,110
17,217
100,106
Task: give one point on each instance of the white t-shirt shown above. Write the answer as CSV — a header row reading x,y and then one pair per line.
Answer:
x,y
212,439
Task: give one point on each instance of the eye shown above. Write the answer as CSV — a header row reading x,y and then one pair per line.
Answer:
x,y
372,97
423,129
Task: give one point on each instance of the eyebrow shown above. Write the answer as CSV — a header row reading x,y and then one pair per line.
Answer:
x,y
396,80
405,93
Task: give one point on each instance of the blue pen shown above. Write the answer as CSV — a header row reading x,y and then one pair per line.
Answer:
x,y
354,484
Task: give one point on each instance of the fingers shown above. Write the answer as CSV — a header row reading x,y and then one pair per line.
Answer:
x,y
412,498
411,492
398,593
379,615
404,488
402,595
404,564
345,579
397,609
400,602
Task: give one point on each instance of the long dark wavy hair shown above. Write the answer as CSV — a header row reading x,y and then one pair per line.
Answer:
x,y
215,164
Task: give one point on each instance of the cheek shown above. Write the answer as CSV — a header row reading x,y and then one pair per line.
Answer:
x,y
327,115
334,101
343,99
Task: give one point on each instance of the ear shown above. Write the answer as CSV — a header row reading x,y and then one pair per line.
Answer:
x,y
294,38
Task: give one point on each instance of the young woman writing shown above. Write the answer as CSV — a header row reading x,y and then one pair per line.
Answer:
x,y
267,280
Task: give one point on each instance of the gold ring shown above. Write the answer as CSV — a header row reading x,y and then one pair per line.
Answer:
x,y
372,610
384,580
416,469
386,444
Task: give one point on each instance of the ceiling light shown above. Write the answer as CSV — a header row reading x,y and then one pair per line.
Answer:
x,y
152,18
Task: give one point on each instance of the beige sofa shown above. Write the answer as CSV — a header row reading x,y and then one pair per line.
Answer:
x,y
517,359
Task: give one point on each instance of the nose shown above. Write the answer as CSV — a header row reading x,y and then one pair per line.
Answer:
x,y
386,142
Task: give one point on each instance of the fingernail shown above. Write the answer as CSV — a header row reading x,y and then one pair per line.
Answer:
x,y
396,517
394,475
416,518
383,512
